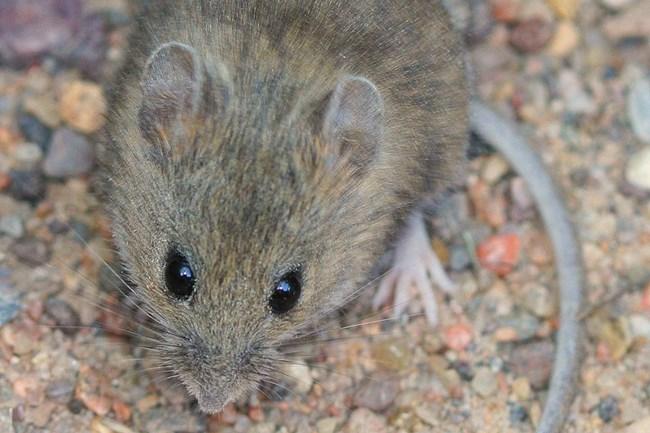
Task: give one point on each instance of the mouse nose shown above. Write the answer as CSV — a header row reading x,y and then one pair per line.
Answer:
x,y
212,402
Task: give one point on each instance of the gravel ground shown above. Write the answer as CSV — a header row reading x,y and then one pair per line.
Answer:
x,y
576,75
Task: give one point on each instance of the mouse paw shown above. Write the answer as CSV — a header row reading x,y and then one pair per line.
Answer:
x,y
415,265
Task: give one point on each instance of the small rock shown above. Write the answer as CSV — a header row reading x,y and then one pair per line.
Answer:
x,y
522,326
12,225
565,39
27,185
518,414
392,354
638,108
63,315
640,326
28,155
301,377
82,106
489,204
457,337
34,131
608,408
60,390
531,35
494,168
641,426
31,251
377,395
575,98
8,310
616,5
70,154
500,253
615,335
44,108
327,425
523,206
98,404
633,23
364,421
538,300
264,427
534,361
459,258
485,382
505,11
464,370
564,8
521,389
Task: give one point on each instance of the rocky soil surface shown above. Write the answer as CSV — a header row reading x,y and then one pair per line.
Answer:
x,y
575,74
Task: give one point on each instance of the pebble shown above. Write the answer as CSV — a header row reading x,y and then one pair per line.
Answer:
x,y
616,4
327,425
534,361
63,315
615,335
34,130
640,326
538,300
27,155
27,185
632,23
459,258
638,108
608,408
564,8
505,11
565,39
31,251
494,168
464,370
392,354
641,426
60,390
499,253
489,204
457,337
82,106
44,108
575,98
517,414
516,326
70,154
363,421
377,394
521,389
531,35
12,226
485,382
9,309
300,376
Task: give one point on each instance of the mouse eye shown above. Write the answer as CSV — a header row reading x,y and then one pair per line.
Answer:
x,y
179,276
286,293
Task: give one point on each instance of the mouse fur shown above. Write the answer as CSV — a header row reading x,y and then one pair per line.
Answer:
x,y
259,137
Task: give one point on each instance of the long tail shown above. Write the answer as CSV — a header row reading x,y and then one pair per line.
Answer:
x,y
504,136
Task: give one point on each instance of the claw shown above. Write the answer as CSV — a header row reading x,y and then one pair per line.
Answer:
x,y
415,265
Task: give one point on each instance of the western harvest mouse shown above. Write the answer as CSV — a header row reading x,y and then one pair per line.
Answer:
x,y
261,155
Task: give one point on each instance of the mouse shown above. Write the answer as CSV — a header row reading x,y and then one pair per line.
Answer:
x,y
261,156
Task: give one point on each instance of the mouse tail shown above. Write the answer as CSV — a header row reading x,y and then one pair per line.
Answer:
x,y
504,136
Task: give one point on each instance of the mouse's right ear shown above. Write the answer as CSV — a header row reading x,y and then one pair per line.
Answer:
x,y
178,92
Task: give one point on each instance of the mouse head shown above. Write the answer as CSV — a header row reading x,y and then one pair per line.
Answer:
x,y
239,229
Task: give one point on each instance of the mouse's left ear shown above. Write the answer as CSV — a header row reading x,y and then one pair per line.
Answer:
x,y
178,91
353,122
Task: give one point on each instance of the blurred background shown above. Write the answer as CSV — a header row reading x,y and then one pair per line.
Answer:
x,y
574,73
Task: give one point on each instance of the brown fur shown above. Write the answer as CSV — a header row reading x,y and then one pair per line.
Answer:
x,y
245,183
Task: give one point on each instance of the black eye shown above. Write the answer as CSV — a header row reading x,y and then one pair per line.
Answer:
x,y
286,293
179,276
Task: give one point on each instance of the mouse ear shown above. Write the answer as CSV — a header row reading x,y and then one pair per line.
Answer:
x,y
177,90
354,120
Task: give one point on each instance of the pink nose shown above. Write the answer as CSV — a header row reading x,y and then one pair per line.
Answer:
x,y
212,402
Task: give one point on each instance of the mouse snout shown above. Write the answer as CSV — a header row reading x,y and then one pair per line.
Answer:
x,y
212,401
